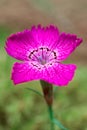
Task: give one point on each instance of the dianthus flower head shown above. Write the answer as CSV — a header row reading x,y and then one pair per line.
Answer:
x,y
41,51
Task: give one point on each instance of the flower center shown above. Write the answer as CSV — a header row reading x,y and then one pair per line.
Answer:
x,y
42,55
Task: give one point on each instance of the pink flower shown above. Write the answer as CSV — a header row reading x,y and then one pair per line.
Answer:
x,y
41,51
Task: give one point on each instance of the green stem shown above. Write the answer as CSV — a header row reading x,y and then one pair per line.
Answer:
x,y
48,96
51,117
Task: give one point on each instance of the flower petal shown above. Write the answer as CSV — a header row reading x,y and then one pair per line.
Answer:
x,y
19,44
24,72
59,74
66,45
46,37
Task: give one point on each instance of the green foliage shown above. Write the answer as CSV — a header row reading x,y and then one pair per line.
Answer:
x,y
21,109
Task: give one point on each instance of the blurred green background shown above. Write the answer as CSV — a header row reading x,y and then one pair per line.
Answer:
x,y
21,109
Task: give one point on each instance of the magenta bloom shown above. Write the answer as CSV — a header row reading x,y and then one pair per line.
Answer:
x,y
41,51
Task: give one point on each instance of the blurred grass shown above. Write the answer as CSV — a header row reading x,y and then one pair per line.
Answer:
x,y
21,109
